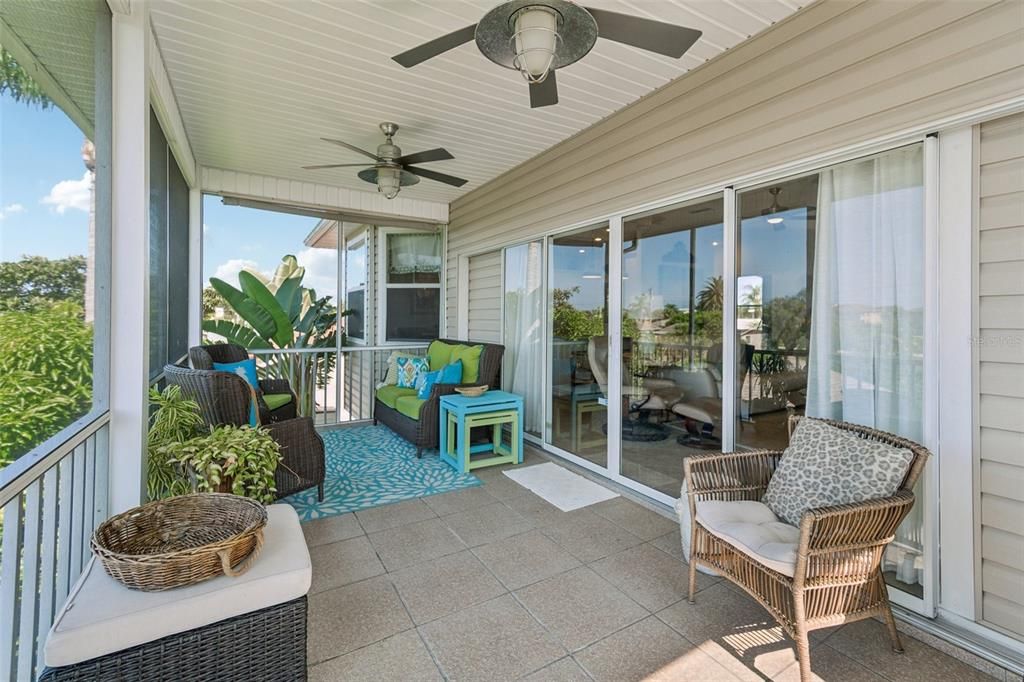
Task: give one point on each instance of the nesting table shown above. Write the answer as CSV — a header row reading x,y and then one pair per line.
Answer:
x,y
460,414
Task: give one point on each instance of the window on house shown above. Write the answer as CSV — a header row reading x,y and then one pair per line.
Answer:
x,y
411,288
355,288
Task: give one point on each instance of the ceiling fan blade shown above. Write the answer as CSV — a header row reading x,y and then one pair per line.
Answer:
x,y
435,47
346,145
439,177
545,93
334,165
439,154
647,34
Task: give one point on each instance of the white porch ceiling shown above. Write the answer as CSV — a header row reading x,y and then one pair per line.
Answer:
x,y
258,82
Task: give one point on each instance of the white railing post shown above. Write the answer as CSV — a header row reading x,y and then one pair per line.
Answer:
x,y
129,338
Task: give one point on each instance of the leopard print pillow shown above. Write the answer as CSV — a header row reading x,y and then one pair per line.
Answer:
x,y
825,466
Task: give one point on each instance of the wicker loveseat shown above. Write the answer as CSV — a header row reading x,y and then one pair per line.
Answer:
x,y
836,577
416,420
224,398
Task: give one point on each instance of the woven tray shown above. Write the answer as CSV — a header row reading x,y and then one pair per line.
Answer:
x,y
181,540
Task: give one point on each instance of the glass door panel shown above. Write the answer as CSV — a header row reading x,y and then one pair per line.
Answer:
x,y
524,345
774,269
578,354
672,340
830,313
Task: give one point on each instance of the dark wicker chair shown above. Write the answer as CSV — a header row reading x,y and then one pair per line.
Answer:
x,y
203,357
423,432
224,398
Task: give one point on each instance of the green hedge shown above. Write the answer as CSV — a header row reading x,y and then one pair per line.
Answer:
x,y
45,374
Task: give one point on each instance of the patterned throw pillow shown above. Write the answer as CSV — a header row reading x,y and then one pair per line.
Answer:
x,y
409,370
824,466
391,378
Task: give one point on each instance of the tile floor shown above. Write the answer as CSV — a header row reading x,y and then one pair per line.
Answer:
x,y
493,583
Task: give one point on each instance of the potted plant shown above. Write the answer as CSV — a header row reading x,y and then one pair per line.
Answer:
x,y
233,459
174,421
184,456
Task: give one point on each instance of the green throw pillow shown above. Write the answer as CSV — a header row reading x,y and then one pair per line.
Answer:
x,y
276,400
439,353
470,356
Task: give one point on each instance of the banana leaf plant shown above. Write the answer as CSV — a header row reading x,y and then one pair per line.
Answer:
x,y
281,314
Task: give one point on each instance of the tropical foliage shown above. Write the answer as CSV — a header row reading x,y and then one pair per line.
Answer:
x,y
281,314
16,82
45,374
175,420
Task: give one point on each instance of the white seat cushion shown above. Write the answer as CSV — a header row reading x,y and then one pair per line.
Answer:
x,y
754,529
102,616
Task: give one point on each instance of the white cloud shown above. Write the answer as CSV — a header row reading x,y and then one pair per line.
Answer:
x,y
228,270
321,270
11,209
67,194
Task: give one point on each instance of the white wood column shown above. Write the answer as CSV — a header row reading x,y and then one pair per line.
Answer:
x,y
129,338
195,266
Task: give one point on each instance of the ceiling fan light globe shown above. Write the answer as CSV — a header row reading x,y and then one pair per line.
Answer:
x,y
535,40
775,220
389,182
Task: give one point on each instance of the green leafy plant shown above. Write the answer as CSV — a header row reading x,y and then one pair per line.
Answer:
x,y
175,420
235,459
45,374
281,314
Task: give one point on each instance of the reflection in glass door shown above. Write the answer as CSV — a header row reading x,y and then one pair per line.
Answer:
x,y
672,340
578,323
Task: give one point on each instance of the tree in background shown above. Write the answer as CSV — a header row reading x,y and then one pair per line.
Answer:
x,y
569,322
35,282
16,82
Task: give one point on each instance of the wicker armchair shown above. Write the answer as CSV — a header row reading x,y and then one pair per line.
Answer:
x,y
224,398
423,432
837,577
203,357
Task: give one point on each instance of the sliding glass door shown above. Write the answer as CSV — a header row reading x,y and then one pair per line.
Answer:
x,y
830,307
671,340
578,351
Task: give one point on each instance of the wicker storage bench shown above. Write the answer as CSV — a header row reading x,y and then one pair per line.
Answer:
x,y
252,627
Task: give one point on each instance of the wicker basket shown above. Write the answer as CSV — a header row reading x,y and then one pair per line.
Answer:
x,y
181,540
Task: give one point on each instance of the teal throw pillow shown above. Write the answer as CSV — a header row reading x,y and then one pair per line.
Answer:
x,y
247,370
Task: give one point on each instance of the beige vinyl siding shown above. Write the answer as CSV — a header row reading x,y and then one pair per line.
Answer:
x,y
485,297
1000,372
834,74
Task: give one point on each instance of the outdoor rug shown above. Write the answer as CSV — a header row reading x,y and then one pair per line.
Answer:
x,y
368,466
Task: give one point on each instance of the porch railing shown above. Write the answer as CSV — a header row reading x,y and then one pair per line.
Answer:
x,y
49,512
334,388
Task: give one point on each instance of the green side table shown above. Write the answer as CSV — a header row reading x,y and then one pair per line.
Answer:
x,y
460,414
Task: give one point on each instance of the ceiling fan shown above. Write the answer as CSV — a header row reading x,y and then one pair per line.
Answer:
x,y
392,171
536,37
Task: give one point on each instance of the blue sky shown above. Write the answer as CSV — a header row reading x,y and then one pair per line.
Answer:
x,y
43,199
44,205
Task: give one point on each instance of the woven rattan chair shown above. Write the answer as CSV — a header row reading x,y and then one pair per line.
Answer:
x,y
837,577
203,357
224,398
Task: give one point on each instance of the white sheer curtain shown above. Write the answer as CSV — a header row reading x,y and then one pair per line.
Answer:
x,y
522,366
867,310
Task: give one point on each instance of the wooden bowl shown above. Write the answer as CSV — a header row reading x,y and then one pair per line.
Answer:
x,y
472,391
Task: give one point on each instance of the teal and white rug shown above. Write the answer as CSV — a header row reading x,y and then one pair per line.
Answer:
x,y
368,466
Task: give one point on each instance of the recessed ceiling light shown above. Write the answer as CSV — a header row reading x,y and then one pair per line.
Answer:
x,y
583,250
591,276
597,239
714,243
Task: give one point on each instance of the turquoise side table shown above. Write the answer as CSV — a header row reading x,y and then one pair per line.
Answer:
x,y
460,414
